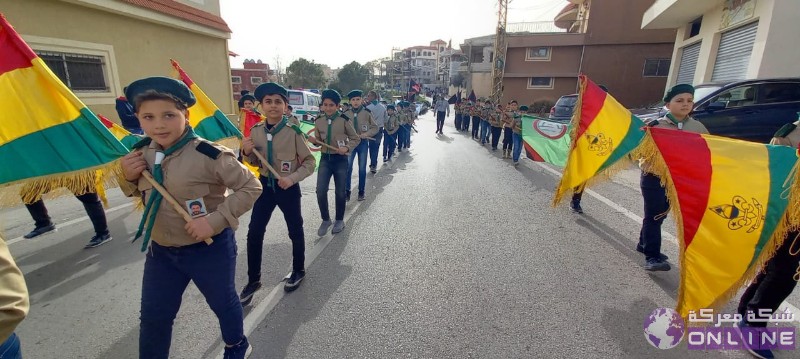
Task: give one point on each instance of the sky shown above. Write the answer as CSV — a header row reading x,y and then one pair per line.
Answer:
x,y
338,32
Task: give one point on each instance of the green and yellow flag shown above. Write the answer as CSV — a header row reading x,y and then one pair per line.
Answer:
x,y
730,201
205,117
48,137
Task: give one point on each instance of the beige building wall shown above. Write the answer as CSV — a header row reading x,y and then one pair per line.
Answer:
x,y
132,48
774,53
481,83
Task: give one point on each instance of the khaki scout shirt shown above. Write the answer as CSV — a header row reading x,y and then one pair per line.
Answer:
x,y
363,123
475,110
457,108
190,175
342,133
792,139
495,117
290,154
14,302
392,123
516,123
689,125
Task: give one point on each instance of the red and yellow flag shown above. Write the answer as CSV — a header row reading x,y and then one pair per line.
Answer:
x,y
603,133
126,138
46,132
730,201
205,117
247,120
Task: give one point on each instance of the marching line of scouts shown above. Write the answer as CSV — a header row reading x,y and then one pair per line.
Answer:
x,y
199,173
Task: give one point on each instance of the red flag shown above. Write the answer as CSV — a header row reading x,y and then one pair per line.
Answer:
x,y
249,119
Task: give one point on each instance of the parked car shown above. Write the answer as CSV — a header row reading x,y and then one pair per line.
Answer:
x,y
562,111
750,110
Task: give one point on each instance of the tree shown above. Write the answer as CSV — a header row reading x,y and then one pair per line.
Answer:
x,y
458,80
304,74
352,76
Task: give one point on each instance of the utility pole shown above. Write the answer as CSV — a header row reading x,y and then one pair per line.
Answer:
x,y
500,46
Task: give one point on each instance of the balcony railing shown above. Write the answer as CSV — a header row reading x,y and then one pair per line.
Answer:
x,y
564,26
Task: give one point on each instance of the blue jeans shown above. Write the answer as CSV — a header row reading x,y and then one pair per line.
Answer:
x,y
10,349
517,139
655,211
404,136
485,131
361,151
332,166
167,272
389,143
374,146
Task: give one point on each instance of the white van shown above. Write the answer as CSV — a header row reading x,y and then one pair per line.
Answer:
x,y
305,104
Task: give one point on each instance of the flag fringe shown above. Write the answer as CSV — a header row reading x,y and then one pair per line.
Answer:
x,y
77,183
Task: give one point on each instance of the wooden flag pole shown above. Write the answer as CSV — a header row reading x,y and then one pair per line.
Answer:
x,y
175,205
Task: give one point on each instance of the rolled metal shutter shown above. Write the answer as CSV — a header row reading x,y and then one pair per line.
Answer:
x,y
688,64
733,56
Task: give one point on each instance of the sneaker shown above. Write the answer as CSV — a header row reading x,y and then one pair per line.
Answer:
x,y
385,160
373,169
758,353
361,197
338,226
575,207
294,280
661,256
248,291
347,196
516,163
323,227
98,240
238,351
38,231
400,150
656,265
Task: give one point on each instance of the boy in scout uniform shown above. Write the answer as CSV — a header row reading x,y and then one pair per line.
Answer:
x,y
777,280
402,126
334,129
457,109
495,117
408,124
680,102
364,124
247,102
475,114
192,170
292,118
507,123
465,118
390,127
282,143
516,128
485,111
14,303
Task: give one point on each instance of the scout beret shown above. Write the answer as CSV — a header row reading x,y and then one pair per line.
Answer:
x,y
270,88
355,93
677,90
390,107
523,108
333,95
160,84
248,97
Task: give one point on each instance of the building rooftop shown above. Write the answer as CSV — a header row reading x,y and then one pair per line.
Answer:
x,y
185,12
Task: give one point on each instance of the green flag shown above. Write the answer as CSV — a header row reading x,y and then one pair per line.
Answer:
x,y
309,129
545,141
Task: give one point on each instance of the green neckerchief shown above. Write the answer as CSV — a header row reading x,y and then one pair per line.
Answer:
x,y
328,141
153,204
677,123
277,128
355,117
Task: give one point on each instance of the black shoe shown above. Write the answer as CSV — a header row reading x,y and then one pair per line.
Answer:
x,y
661,256
575,207
385,160
347,196
361,196
98,240
373,170
38,231
294,280
238,351
656,265
248,291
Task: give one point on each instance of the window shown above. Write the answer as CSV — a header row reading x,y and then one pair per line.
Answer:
x,y
737,96
779,92
256,80
540,83
538,54
656,68
236,79
84,73
295,98
694,28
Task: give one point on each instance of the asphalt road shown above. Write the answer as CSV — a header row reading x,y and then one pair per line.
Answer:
x,y
454,254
